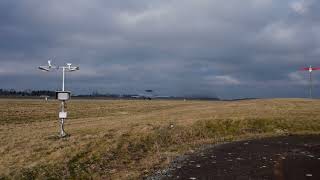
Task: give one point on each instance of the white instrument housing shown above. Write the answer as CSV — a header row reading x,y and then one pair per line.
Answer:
x,y
63,95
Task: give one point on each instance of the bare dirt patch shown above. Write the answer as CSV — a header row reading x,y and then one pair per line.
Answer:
x,y
280,158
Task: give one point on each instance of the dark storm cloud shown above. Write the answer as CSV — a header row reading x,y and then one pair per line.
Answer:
x,y
230,49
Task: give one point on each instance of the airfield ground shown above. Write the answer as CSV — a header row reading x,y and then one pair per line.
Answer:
x,y
132,139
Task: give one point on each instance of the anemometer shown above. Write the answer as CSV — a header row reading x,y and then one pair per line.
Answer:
x,y
62,95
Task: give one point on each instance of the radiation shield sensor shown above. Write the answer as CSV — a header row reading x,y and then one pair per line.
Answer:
x,y
63,95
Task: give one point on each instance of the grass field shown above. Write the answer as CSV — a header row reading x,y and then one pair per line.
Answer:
x,y
129,139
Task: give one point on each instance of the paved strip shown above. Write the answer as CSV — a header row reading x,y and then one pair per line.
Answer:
x,y
291,157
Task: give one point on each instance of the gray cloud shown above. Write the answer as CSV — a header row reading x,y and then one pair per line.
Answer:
x,y
230,49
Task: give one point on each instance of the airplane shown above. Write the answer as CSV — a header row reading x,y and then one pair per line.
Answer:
x,y
310,69
148,95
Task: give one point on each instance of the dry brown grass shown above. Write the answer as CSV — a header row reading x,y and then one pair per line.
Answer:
x,y
122,139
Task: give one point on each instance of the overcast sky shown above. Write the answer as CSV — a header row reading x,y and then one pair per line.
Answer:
x,y
229,49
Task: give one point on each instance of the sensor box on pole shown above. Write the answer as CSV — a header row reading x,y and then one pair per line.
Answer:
x,y
62,115
63,95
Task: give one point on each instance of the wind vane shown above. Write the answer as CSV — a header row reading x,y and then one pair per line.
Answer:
x,y
310,69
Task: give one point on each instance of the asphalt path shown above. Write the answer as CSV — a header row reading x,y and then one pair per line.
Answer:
x,y
281,158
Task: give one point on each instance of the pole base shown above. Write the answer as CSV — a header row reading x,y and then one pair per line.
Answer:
x,y
62,132
63,135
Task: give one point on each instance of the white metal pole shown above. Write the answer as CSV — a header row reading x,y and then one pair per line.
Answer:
x,y
62,132
63,72
311,84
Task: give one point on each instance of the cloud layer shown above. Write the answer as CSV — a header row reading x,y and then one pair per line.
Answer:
x,y
232,48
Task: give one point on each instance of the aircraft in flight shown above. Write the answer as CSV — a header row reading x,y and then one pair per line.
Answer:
x,y
148,95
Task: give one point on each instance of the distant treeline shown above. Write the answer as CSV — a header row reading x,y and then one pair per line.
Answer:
x,y
97,94
39,93
13,92
28,92
108,95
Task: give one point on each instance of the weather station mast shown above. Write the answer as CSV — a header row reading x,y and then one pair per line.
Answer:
x,y
310,69
62,95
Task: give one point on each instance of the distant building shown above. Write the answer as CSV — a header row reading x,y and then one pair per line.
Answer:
x,y
45,97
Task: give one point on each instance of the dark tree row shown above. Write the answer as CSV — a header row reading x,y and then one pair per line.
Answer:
x,y
12,92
